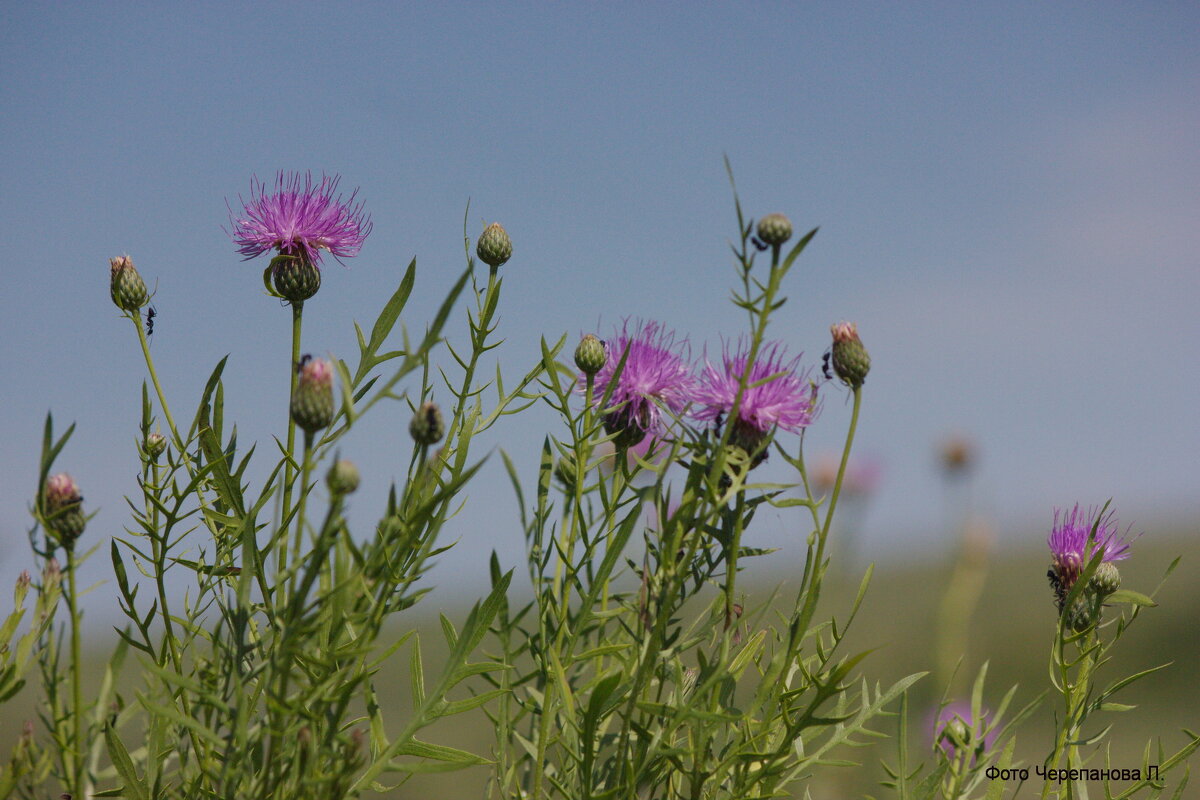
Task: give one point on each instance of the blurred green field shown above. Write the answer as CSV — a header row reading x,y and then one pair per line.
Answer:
x,y
1012,629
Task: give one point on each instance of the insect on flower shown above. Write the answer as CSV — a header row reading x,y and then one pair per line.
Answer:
x,y
304,359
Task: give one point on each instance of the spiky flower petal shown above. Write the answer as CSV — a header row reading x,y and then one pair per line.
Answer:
x,y
651,372
782,398
1072,547
300,217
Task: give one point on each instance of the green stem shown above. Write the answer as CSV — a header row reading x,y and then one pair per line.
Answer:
x,y
731,558
306,468
289,471
810,600
77,747
136,319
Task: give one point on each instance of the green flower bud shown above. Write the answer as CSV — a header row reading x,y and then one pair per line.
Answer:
x,y
494,247
1106,580
342,478
296,278
565,471
156,443
591,355
850,359
312,402
22,588
126,286
63,509
774,229
957,732
1079,617
427,426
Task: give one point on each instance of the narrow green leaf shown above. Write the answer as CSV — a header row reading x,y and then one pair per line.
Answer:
x,y
135,789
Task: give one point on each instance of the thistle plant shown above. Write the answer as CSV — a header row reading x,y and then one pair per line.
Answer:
x,y
640,671
260,681
974,750
639,666
1084,548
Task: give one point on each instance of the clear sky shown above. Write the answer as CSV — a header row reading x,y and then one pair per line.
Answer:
x,y
1008,196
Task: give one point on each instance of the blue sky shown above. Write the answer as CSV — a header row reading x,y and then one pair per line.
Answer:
x,y
1008,197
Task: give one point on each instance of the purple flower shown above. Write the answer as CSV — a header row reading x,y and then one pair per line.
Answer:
x,y
784,401
653,373
1068,540
1071,548
299,217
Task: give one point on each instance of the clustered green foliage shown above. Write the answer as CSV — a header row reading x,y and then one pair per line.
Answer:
x,y
634,671
632,678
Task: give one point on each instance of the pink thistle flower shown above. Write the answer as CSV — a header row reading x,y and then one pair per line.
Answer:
x,y
299,218
775,395
1068,540
1072,547
654,373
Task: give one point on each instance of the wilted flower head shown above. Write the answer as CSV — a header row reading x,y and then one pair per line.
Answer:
x,y
785,401
1071,547
299,218
653,373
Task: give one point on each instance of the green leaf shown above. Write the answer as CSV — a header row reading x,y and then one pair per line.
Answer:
x,y
1130,597
391,310
416,673
134,787
438,752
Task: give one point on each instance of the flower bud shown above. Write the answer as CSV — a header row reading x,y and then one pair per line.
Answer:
x,y
342,478
64,508
295,276
156,443
1106,580
427,426
957,732
126,286
957,453
312,402
850,359
591,355
565,470
1079,617
774,229
22,588
51,576
494,247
